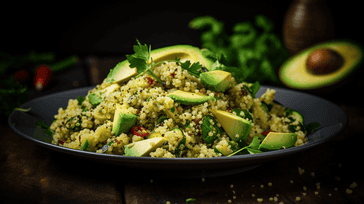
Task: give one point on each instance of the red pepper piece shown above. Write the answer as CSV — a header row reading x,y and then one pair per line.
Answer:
x,y
140,131
266,132
42,76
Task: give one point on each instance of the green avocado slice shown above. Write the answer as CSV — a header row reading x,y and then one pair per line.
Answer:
x,y
144,147
236,127
123,120
217,80
278,140
189,98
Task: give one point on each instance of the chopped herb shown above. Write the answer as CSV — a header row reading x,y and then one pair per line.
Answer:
x,y
46,129
23,109
195,69
85,145
312,127
80,99
252,148
94,99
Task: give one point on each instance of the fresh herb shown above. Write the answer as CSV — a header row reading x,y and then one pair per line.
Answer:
x,y
46,129
246,114
12,95
76,126
23,109
252,148
194,69
85,145
80,100
94,99
312,127
140,60
252,47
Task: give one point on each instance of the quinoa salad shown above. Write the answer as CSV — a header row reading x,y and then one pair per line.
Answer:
x,y
179,129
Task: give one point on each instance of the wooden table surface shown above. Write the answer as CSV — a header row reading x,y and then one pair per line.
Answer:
x,y
329,173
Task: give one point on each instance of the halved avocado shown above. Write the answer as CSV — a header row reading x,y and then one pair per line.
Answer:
x,y
294,73
183,52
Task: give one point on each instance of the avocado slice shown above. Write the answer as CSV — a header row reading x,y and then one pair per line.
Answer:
x,y
278,140
189,98
217,80
294,73
123,120
236,127
144,147
110,89
122,72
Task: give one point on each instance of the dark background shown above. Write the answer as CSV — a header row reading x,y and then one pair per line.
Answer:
x,y
110,28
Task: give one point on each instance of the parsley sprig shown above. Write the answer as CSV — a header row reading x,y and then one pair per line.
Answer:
x,y
140,60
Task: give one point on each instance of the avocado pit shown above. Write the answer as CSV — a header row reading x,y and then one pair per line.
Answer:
x,y
324,61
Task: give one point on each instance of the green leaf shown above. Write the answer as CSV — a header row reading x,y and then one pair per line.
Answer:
x,y
312,127
195,69
80,99
23,109
85,145
140,58
94,99
252,148
46,128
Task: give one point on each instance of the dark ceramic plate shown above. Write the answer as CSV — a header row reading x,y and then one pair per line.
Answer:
x,y
332,118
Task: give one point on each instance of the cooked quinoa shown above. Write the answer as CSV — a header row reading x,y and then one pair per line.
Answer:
x,y
146,98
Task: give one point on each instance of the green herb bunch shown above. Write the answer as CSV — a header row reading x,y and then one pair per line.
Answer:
x,y
252,47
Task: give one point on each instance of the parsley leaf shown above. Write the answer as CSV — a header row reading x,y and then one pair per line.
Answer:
x,y
140,58
195,69
85,145
312,127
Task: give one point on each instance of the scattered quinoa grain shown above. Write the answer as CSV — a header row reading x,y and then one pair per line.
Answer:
x,y
231,186
291,181
298,198
203,179
316,192
260,200
304,188
271,199
270,184
229,201
253,195
262,186
353,185
275,199
300,170
349,191
234,197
